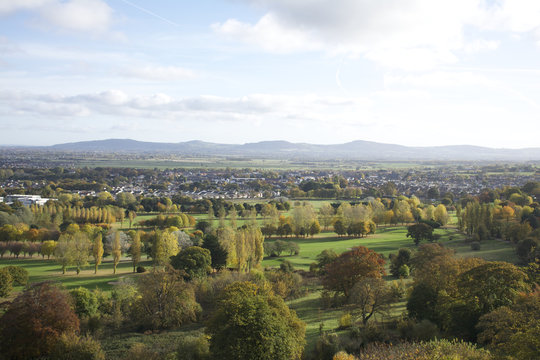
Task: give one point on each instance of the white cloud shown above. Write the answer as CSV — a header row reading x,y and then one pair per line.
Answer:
x,y
158,73
270,34
405,34
439,79
256,107
88,16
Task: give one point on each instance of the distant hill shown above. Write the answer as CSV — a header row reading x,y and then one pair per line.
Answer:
x,y
361,150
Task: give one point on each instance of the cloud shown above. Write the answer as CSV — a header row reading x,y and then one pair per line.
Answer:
x,y
86,16
256,107
403,34
158,73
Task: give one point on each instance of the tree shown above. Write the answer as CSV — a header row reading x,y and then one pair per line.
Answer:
x,y
370,296
63,252
217,252
135,250
97,251
351,266
116,251
326,257
403,258
492,285
34,321
6,282
528,250
419,232
194,260
440,215
164,246
339,228
85,302
252,323
47,248
165,300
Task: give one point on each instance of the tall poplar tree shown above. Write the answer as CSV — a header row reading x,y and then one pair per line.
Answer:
x,y
97,251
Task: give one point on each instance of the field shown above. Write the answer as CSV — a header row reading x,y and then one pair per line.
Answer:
x,y
387,240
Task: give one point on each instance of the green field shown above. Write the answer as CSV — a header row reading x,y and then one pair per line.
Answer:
x,y
387,240
49,270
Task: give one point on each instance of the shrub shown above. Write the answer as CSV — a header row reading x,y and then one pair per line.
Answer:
x,y
141,269
475,245
18,274
404,271
73,347
327,345
86,302
6,282
345,321
194,348
139,351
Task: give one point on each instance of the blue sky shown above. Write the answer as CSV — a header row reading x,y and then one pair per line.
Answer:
x,y
411,72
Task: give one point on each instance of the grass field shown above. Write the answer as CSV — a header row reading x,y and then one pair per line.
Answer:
x,y
49,270
309,308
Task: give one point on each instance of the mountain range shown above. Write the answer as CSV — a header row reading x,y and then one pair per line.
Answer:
x,y
360,150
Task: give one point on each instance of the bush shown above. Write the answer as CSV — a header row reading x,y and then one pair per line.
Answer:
x,y
345,321
141,269
286,266
327,345
6,282
139,351
85,301
194,348
475,246
72,347
404,271
19,275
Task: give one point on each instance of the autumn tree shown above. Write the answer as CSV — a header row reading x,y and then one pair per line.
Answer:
x,y
351,266
370,296
164,245
80,247
252,323
116,250
63,253
165,300
97,251
34,321
135,250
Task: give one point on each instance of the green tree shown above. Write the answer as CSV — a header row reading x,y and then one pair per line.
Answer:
x,y
420,232
252,323
217,252
194,260
6,282
86,302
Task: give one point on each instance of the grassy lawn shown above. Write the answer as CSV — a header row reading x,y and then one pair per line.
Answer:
x,y
48,270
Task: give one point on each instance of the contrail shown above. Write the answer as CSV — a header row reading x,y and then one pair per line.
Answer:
x,y
150,13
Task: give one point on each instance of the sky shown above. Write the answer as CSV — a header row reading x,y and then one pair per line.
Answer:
x,y
410,72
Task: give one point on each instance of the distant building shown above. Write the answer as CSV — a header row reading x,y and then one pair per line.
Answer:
x,y
26,200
